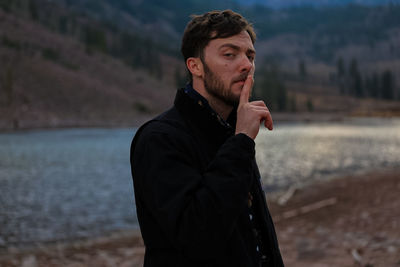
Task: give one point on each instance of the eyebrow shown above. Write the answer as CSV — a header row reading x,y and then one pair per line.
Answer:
x,y
235,47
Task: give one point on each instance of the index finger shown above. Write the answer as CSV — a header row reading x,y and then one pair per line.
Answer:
x,y
245,94
269,124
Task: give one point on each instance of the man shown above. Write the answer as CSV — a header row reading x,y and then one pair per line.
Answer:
x,y
197,186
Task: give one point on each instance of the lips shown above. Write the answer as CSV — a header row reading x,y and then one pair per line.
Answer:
x,y
241,78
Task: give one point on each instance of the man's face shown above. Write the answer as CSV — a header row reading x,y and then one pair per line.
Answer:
x,y
227,62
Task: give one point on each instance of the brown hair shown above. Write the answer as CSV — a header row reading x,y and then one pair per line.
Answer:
x,y
212,25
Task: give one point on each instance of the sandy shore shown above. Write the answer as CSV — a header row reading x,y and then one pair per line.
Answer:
x,y
351,221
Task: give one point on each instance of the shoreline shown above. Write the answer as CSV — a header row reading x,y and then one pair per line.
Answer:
x,y
278,117
341,222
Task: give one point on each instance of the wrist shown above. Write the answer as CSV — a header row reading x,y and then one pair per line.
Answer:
x,y
245,133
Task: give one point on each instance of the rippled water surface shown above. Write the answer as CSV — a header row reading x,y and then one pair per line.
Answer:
x,y
296,154
64,183
61,184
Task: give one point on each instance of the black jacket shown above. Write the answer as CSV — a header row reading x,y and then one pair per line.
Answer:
x,y
192,177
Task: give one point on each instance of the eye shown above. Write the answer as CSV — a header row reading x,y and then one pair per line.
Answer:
x,y
251,57
229,55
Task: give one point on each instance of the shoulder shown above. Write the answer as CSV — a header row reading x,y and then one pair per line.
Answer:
x,y
168,127
169,123
161,139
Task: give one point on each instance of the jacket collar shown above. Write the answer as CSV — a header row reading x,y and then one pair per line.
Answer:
x,y
199,114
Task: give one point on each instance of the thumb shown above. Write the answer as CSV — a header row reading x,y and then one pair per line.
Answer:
x,y
245,94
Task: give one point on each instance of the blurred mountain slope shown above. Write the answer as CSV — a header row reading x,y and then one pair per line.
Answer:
x,y
87,63
60,68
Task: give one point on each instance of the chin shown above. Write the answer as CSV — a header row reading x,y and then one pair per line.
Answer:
x,y
236,98
237,90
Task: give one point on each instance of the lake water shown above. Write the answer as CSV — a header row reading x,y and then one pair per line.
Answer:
x,y
69,183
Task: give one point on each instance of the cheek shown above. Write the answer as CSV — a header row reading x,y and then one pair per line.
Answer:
x,y
228,71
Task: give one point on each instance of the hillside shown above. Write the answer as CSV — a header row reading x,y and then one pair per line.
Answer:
x,y
50,79
339,59
102,63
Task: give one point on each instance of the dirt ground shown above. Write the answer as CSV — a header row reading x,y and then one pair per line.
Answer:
x,y
350,221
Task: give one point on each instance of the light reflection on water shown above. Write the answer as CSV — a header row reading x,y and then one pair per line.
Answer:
x,y
62,184
296,154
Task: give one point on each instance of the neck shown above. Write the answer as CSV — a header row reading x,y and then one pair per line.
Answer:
x,y
220,107
216,104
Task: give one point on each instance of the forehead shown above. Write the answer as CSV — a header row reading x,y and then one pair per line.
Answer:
x,y
241,40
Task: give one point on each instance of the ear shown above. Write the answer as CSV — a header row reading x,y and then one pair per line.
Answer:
x,y
195,66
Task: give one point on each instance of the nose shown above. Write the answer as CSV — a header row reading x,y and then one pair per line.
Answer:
x,y
246,64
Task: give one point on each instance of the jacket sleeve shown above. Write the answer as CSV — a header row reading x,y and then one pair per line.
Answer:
x,y
197,210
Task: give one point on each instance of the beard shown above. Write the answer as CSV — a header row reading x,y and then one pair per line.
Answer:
x,y
216,88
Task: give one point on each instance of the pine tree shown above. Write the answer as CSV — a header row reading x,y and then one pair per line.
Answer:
x,y
375,85
6,5
8,85
63,25
310,105
341,75
302,69
33,10
356,87
387,87
292,103
340,67
372,85
271,89
95,39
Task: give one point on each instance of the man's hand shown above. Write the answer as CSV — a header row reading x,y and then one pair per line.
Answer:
x,y
251,114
